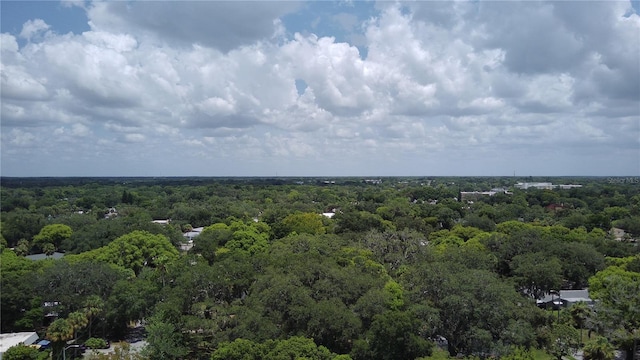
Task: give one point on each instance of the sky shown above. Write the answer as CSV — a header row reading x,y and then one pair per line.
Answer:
x,y
322,88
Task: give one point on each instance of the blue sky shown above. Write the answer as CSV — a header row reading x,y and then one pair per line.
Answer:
x,y
214,88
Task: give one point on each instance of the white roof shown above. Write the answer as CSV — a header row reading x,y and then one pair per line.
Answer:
x,y
12,339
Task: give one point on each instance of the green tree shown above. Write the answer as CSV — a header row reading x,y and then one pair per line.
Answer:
x,y
77,320
135,251
618,308
395,248
210,239
564,341
52,234
599,349
580,313
48,248
239,349
72,283
164,340
250,238
24,352
292,348
92,307
18,293
296,347
471,303
519,353
302,223
20,224
536,274
22,248
395,335
59,332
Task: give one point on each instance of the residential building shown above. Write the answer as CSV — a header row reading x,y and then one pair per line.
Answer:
x,y
564,298
12,339
55,256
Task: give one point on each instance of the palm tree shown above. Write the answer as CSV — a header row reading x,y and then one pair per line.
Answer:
x,y
59,332
580,312
77,320
93,306
599,349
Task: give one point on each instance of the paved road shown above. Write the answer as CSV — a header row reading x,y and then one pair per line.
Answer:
x,y
136,347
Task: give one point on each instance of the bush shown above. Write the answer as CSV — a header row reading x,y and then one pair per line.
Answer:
x,y
23,352
96,343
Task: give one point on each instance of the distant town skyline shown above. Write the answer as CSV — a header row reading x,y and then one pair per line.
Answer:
x,y
323,88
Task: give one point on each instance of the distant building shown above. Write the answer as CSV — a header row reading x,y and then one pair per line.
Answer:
x,y
475,195
567,187
193,233
9,340
112,212
161,222
544,186
564,298
55,256
190,235
535,185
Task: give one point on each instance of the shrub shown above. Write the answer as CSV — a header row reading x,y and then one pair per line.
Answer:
x,y
96,343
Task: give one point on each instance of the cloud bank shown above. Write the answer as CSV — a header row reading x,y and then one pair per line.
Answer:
x,y
226,88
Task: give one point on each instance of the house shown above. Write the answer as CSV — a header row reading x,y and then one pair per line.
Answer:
x,y
112,212
55,256
161,222
564,299
190,235
12,339
51,310
193,233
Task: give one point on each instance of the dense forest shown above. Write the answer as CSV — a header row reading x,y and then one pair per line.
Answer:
x,y
324,268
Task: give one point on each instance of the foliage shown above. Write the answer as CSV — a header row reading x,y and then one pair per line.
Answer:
x,y
564,340
135,251
536,274
519,353
618,308
598,349
163,340
96,343
394,335
121,351
52,235
24,352
291,348
302,223
400,263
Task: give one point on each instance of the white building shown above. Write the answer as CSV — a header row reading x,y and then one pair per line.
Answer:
x,y
190,235
12,339
536,185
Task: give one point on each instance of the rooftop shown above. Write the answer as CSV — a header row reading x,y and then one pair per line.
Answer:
x,y
56,255
12,339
